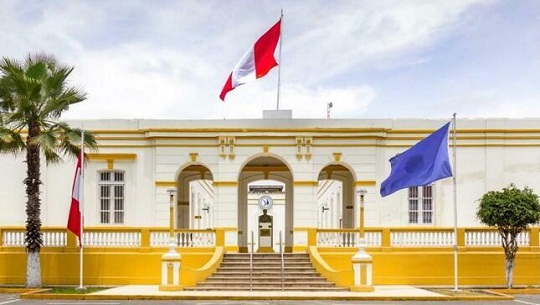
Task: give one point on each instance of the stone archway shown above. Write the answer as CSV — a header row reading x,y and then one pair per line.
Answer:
x,y
270,168
194,197
341,193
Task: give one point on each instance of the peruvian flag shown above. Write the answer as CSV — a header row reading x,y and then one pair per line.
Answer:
x,y
257,61
74,220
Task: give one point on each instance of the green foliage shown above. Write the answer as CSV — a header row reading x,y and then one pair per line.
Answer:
x,y
511,208
74,290
33,95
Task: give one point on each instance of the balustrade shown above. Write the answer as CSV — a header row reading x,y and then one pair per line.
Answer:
x,y
113,237
336,238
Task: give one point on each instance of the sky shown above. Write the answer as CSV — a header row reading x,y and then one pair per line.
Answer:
x,y
371,59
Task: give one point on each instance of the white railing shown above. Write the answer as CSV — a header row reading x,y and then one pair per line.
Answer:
x,y
346,238
13,239
50,239
111,239
421,238
54,239
491,239
185,239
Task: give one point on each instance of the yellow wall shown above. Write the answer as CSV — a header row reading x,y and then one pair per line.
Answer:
x,y
478,266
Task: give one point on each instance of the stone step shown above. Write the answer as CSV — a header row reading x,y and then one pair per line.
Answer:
x,y
269,264
248,288
264,274
266,254
263,262
268,280
270,268
262,284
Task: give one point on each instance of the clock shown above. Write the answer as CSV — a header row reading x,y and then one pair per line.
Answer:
x,y
266,202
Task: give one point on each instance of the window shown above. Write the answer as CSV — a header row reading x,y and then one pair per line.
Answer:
x,y
421,204
111,197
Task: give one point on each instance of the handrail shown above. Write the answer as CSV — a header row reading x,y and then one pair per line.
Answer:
x,y
282,262
251,264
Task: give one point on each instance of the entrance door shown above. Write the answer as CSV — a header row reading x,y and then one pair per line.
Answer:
x,y
266,230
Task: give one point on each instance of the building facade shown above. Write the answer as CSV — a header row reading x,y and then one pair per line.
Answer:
x,y
214,167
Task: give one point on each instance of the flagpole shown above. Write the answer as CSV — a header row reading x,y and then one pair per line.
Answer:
x,y
455,202
279,64
81,209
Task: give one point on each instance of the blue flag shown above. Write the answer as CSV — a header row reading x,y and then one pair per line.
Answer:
x,y
422,164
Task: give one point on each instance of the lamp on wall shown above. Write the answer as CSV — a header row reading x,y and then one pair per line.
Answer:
x,y
171,261
325,208
362,193
362,262
206,208
171,193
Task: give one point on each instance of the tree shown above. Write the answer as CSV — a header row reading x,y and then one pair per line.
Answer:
x,y
33,95
511,211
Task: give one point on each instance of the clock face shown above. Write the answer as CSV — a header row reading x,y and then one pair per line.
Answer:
x,y
266,202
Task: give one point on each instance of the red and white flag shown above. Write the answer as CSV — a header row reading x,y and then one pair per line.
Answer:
x,y
74,220
257,61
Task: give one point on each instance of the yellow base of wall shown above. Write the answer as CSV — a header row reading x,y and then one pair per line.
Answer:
x,y
481,268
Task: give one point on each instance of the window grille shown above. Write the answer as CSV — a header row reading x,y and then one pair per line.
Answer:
x,y
421,204
111,197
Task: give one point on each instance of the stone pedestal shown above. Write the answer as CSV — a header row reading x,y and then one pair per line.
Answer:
x,y
170,271
363,270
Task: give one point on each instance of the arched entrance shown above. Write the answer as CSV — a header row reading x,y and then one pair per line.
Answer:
x,y
275,182
336,197
195,198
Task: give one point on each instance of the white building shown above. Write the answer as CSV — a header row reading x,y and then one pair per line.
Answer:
x,y
216,167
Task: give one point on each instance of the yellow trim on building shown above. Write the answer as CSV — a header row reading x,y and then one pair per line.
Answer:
x,y
105,157
225,183
305,183
165,183
365,183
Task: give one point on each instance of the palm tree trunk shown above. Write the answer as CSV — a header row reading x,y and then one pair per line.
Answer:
x,y
33,210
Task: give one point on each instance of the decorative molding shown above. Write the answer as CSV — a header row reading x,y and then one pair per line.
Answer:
x,y
226,146
266,149
193,157
365,183
110,158
304,148
105,157
166,183
337,156
225,183
305,183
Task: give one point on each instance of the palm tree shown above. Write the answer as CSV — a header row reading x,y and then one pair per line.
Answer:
x,y
33,95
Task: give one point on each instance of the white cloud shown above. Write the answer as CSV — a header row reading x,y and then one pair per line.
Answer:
x,y
142,59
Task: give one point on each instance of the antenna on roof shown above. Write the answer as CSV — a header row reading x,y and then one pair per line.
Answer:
x,y
328,108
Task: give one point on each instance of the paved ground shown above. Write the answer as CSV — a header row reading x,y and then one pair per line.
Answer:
x,y
380,291
520,300
152,294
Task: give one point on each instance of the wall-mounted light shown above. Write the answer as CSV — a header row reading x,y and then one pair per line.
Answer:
x,y
325,208
206,208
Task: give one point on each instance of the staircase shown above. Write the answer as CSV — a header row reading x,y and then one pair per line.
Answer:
x,y
298,274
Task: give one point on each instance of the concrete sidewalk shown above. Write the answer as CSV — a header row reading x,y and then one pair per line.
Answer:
x,y
380,291
151,292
